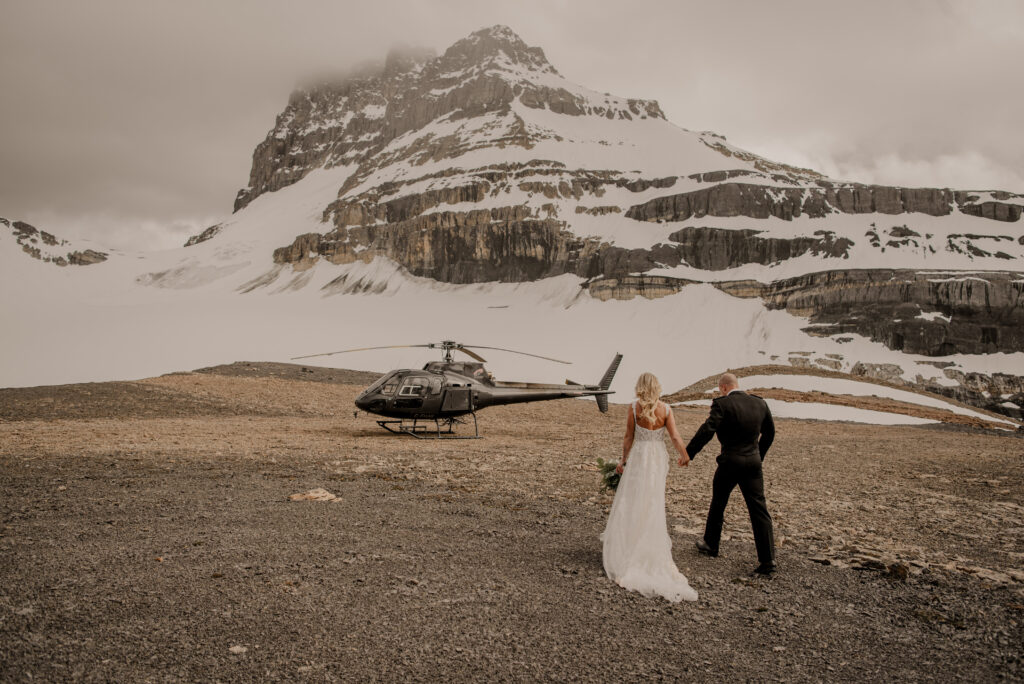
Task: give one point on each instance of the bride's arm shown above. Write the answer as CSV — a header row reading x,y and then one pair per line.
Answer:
x,y
677,440
627,441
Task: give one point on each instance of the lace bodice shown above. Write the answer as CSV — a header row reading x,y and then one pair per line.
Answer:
x,y
642,434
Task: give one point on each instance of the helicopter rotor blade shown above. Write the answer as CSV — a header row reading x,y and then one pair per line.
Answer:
x,y
513,351
472,354
345,351
448,346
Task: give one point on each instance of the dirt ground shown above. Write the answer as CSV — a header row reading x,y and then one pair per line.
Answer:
x,y
148,535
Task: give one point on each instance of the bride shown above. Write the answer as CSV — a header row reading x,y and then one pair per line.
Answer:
x,y
637,548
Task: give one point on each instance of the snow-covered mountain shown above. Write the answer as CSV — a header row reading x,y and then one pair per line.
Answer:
x,y
479,195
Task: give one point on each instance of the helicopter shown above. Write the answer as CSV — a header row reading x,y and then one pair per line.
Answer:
x,y
448,392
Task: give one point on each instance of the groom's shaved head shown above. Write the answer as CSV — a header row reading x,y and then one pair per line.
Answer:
x,y
728,382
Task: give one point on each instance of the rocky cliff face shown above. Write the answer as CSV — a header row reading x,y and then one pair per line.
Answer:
x,y
935,314
761,202
514,243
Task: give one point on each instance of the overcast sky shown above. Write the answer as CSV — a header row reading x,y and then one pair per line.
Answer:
x,y
133,123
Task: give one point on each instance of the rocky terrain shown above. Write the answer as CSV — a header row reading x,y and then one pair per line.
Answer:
x,y
47,247
148,533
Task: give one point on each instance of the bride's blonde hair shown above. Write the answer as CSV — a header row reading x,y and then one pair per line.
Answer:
x,y
648,392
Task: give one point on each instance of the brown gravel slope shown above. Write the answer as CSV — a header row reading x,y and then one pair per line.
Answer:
x,y
152,540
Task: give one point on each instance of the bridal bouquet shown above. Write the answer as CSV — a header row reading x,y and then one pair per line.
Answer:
x,y
609,478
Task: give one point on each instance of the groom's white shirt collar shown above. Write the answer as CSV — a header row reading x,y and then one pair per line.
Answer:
x,y
734,389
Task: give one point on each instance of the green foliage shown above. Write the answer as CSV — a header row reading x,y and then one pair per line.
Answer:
x,y
609,478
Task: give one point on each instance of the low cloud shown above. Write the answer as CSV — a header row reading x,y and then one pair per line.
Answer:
x,y
964,170
110,231
134,122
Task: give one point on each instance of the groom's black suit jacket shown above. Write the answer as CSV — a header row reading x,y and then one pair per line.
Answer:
x,y
743,424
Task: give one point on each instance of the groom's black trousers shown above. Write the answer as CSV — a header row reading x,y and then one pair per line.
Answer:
x,y
745,472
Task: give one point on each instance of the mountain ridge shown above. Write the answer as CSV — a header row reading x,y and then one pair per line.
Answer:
x,y
356,118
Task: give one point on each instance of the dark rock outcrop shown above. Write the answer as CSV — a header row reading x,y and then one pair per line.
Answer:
x,y
999,393
205,235
716,249
33,241
760,202
628,287
508,241
505,244
86,257
919,313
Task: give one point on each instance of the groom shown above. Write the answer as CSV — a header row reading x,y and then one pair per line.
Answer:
x,y
745,429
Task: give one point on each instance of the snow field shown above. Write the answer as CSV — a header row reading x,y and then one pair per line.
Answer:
x,y
816,411
856,388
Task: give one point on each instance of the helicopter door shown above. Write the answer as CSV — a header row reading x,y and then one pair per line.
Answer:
x,y
457,399
411,393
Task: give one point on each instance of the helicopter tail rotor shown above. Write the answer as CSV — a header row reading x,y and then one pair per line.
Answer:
x,y
606,382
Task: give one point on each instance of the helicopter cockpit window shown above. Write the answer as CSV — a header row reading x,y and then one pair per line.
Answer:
x,y
390,386
413,387
375,386
435,385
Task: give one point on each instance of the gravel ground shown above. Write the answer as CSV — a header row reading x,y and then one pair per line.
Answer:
x,y
145,541
291,371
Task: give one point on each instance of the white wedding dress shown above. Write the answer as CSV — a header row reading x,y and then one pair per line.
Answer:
x,y
637,548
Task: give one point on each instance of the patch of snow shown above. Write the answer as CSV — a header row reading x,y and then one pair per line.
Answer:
x,y
815,411
957,280
810,383
336,122
940,379
982,196
934,316
373,111
190,275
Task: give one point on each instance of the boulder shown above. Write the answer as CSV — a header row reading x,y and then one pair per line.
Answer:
x,y
318,494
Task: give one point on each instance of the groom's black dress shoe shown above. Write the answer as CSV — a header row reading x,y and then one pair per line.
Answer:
x,y
704,549
766,569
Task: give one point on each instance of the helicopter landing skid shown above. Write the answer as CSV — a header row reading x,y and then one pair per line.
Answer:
x,y
422,430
